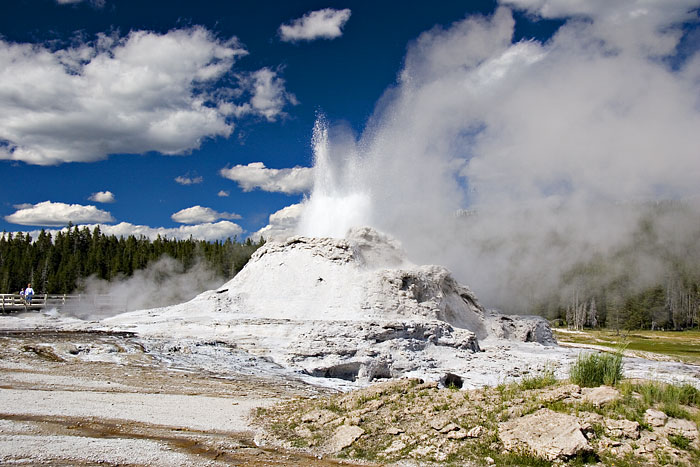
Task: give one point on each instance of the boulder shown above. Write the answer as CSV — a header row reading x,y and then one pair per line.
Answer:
x,y
622,428
655,417
343,437
545,433
683,427
519,327
601,395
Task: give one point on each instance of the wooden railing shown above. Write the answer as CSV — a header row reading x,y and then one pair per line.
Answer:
x,y
65,302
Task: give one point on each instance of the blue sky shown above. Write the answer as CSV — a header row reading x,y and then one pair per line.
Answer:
x,y
341,77
128,97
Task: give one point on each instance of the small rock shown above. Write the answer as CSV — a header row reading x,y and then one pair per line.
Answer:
x,y
561,393
320,416
438,423
601,395
397,445
588,419
343,437
354,420
303,432
449,427
622,428
422,451
476,431
392,430
428,385
655,417
460,434
489,460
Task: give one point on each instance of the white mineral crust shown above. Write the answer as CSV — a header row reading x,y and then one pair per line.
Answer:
x,y
353,308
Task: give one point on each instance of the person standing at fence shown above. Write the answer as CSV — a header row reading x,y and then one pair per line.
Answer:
x,y
21,295
28,294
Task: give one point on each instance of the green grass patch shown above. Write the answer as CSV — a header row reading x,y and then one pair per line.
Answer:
x,y
678,345
541,380
670,398
679,441
595,369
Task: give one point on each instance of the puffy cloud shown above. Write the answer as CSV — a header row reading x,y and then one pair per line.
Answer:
x,y
268,95
256,175
186,180
142,92
209,231
102,197
281,224
320,24
223,194
55,214
199,215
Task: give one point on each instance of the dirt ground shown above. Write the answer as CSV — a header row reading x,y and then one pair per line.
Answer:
x,y
76,398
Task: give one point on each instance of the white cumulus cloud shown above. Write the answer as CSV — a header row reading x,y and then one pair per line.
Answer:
x,y
102,197
268,95
142,92
209,231
54,214
199,215
320,24
186,180
223,194
256,175
281,224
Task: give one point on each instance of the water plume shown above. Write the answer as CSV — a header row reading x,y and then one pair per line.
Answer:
x,y
514,164
339,200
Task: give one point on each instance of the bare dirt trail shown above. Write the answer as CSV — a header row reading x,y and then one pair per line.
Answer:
x,y
73,398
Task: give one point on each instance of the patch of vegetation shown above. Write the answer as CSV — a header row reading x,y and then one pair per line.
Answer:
x,y
333,406
521,459
677,345
679,441
595,369
541,380
670,398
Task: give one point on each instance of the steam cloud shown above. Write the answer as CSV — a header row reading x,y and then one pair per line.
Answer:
x,y
512,163
164,282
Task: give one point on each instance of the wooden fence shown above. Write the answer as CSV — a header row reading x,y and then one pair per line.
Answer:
x,y
65,302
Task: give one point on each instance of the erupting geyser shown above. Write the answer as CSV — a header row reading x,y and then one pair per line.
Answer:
x,y
339,201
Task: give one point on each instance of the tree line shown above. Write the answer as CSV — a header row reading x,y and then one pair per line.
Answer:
x,y
56,264
650,282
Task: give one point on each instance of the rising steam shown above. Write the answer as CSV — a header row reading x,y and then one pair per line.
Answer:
x,y
515,163
162,283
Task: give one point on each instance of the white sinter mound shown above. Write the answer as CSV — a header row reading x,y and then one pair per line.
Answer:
x,y
352,308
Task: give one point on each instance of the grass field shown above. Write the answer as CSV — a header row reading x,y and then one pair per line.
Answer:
x,y
676,345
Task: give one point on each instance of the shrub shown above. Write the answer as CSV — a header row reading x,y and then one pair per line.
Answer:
x,y
594,369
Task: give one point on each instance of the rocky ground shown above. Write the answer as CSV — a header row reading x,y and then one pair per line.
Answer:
x,y
86,398
408,421
98,398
